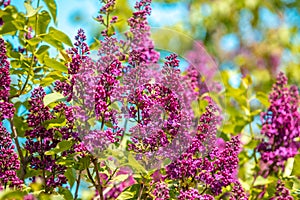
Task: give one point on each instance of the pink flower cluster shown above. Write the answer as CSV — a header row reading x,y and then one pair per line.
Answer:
x,y
281,126
8,157
213,168
282,193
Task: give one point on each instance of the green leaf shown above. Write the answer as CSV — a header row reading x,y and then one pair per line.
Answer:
x,y
15,63
60,36
55,43
42,49
296,167
51,5
71,176
95,45
34,41
288,167
263,181
132,162
56,122
8,28
67,193
126,195
53,97
83,163
66,161
46,81
43,22
252,144
120,178
263,98
20,125
255,112
110,30
30,10
12,194
60,147
50,62
57,197
271,189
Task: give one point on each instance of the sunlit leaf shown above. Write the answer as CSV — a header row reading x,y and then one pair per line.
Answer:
x,y
60,36
53,97
60,147
30,10
51,5
52,63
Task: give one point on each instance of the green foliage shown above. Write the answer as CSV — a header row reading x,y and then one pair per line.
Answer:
x,y
61,147
38,65
51,5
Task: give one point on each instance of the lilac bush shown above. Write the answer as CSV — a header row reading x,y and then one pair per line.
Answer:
x,y
281,126
128,124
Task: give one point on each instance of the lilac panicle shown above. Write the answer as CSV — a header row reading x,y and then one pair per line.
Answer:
x,y
78,54
201,71
9,159
161,191
282,193
41,139
142,47
213,168
4,73
193,194
281,126
238,192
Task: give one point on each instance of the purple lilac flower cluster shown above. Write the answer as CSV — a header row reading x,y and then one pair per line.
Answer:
x,y
78,56
201,71
9,159
282,193
281,126
78,53
193,194
93,88
212,167
139,47
161,191
106,9
142,47
4,75
149,99
41,139
6,108
105,88
161,109
238,192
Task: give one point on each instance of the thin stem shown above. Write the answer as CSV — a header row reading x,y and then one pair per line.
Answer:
x,y
138,112
99,186
141,191
90,177
204,189
107,20
125,127
77,185
111,176
43,170
23,161
32,58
